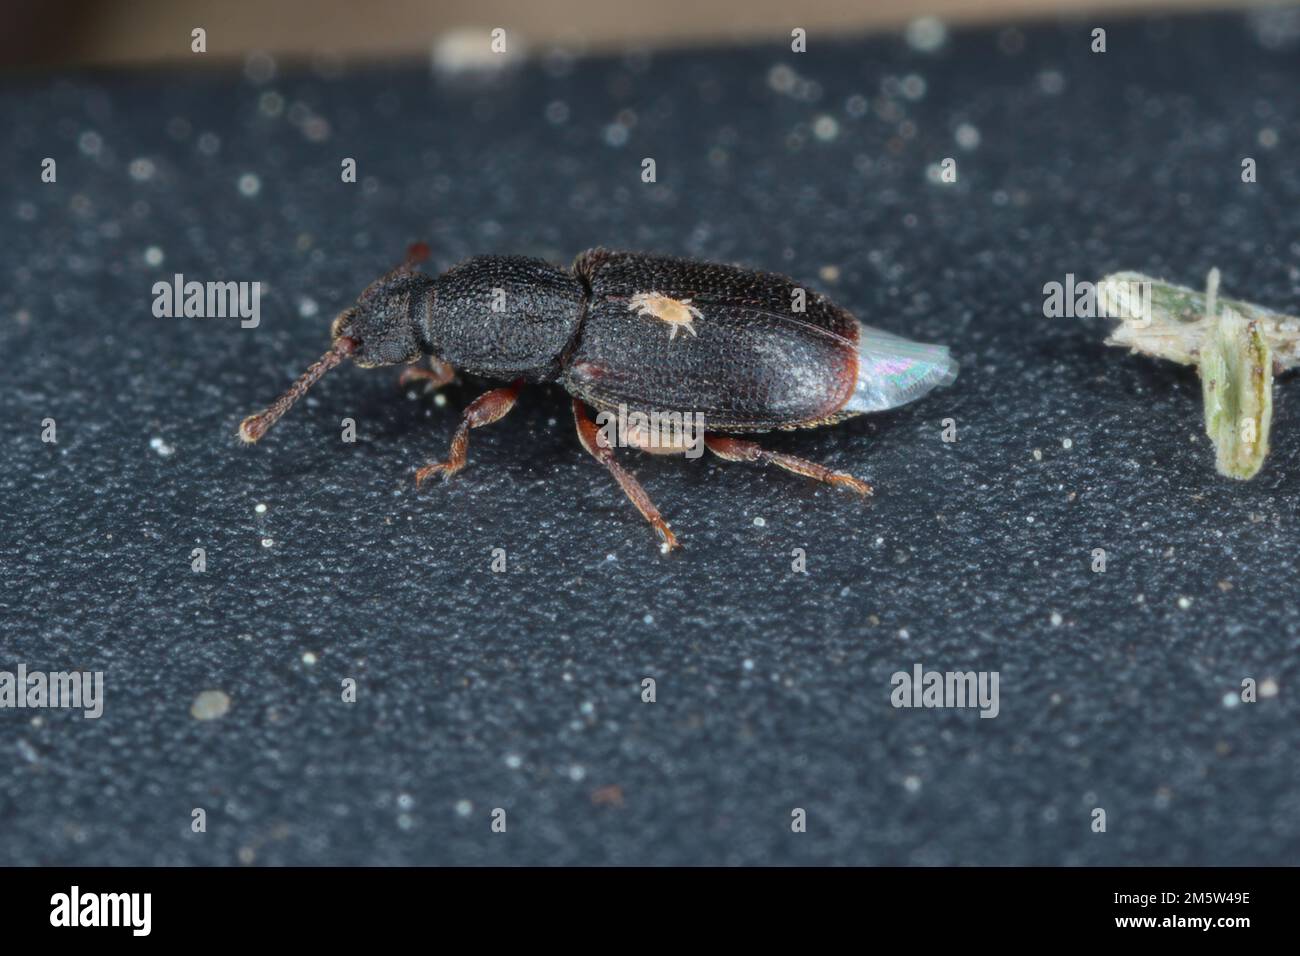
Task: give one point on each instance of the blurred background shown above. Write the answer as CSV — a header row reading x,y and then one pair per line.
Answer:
x,y
80,32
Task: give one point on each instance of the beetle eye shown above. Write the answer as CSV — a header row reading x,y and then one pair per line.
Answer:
x,y
341,322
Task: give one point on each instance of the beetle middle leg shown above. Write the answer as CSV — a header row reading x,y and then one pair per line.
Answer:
x,y
487,408
588,434
736,449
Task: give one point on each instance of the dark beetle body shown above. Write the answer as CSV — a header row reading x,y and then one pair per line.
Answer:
x,y
756,351
753,364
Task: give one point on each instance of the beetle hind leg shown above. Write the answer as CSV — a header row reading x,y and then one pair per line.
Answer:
x,y
736,449
589,436
487,408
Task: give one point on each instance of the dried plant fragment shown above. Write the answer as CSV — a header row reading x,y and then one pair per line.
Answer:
x,y
1169,321
1236,346
1237,385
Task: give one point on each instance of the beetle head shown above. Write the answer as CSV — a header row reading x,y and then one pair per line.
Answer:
x,y
382,325
381,329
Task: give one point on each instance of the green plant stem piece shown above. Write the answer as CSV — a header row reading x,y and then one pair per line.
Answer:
x,y
1237,385
1235,345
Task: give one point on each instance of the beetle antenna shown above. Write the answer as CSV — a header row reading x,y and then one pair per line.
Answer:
x,y
255,426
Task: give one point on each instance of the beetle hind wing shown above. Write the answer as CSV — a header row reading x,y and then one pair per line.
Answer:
x,y
893,371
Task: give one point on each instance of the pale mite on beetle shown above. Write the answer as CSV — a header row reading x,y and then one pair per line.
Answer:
x,y
752,362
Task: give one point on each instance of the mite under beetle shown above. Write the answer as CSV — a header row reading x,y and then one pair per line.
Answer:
x,y
755,352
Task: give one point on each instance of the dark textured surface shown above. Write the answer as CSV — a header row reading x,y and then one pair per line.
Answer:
x,y
521,690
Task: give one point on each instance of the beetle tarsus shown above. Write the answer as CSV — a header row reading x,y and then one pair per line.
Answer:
x,y
737,449
487,408
589,436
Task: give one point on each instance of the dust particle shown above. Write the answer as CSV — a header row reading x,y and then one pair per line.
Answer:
x,y
926,35
209,705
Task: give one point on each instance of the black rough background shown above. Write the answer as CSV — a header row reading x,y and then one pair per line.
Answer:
x,y
521,690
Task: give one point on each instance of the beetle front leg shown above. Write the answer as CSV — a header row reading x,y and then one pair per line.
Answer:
x,y
487,408
438,374
589,436
736,449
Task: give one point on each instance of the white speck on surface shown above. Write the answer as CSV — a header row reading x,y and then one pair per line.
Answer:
x,y
912,86
309,659
1184,603
260,508
1268,137
1051,82
1067,443
826,128
1230,699
747,664
247,854
649,619
1056,619
464,808
1038,454
926,34
90,143
270,103
912,783
904,634
782,78
615,135
514,761
259,67
587,708
268,542
577,773
1268,687
760,522
967,136
141,169
405,801
557,112
153,256
440,400
250,185
161,447
209,705
307,307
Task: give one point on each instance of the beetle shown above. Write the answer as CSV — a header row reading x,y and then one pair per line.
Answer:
x,y
755,353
